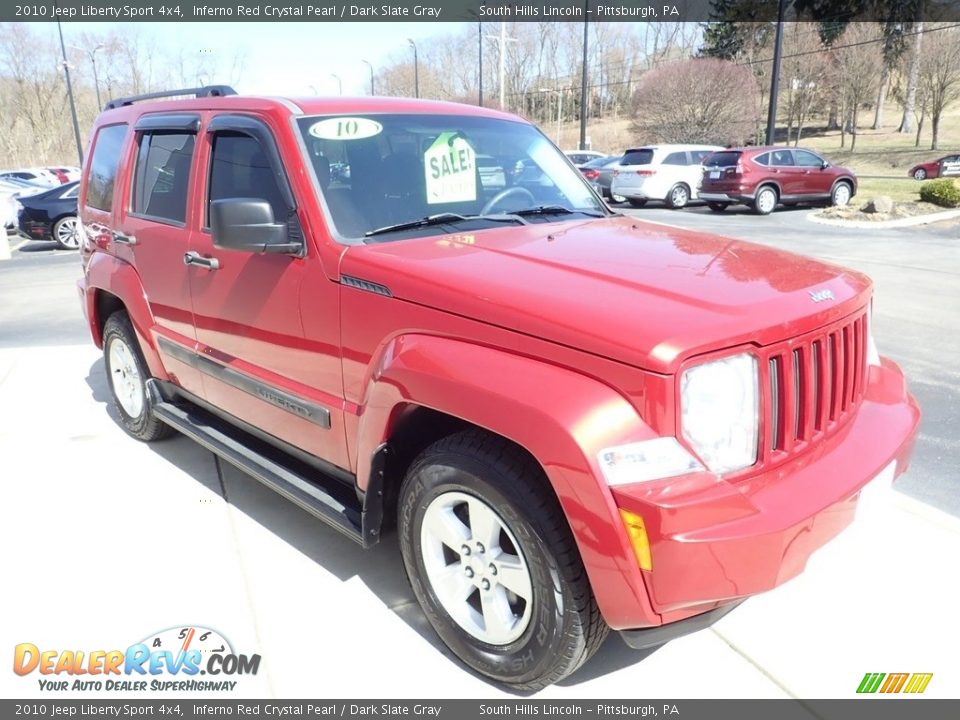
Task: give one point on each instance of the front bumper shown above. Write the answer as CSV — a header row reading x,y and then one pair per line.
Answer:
x,y
715,541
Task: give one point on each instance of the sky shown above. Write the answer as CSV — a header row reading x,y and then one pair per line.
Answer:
x,y
285,58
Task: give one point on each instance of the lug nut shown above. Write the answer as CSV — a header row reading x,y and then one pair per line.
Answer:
x,y
479,547
485,584
468,572
492,569
465,550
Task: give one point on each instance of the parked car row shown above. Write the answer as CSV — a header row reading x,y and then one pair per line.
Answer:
x,y
51,215
48,176
759,177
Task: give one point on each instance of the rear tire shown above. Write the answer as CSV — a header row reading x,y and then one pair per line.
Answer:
x,y
718,206
66,232
765,201
127,374
493,564
678,196
636,203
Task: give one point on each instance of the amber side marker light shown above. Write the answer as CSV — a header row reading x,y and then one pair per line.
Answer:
x,y
637,532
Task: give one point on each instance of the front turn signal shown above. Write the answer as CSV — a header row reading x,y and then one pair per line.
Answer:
x,y
637,532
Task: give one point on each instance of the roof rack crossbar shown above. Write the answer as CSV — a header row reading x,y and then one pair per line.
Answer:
x,y
206,91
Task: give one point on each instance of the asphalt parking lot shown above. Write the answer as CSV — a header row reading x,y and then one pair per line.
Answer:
x,y
107,540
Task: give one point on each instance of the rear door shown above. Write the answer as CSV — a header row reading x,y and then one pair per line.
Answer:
x,y
153,232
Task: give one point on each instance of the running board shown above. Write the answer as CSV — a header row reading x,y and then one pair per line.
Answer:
x,y
206,430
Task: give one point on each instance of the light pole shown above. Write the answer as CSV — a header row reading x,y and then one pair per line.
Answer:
x,y
480,62
583,80
370,65
339,83
93,61
416,69
73,107
775,77
559,93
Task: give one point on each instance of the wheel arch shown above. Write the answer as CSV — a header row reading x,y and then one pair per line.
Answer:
x,y
113,285
425,387
846,179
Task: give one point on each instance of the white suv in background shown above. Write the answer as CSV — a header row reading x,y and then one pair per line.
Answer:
x,y
670,173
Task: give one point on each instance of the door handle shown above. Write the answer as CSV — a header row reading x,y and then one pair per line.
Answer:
x,y
195,258
124,239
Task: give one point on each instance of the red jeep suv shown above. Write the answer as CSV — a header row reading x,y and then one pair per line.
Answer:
x,y
576,421
762,177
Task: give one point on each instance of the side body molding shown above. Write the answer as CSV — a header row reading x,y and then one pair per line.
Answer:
x,y
561,417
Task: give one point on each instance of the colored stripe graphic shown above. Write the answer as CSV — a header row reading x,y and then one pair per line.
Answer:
x,y
870,682
918,683
894,683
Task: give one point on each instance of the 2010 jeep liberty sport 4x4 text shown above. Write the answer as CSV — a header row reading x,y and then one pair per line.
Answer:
x,y
576,421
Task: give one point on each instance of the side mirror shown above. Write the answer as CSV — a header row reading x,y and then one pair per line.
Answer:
x,y
248,224
824,164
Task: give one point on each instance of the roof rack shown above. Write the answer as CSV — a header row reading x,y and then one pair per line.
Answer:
x,y
206,91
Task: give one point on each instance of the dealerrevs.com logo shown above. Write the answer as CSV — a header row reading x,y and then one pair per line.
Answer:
x,y
172,660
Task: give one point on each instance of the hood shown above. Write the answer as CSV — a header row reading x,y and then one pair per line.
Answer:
x,y
642,293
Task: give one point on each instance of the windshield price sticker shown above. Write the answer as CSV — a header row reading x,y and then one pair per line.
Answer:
x,y
450,168
345,128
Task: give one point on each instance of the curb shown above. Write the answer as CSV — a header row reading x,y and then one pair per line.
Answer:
x,y
899,222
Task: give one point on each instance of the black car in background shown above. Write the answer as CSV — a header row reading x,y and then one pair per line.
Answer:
x,y
52,215
600,173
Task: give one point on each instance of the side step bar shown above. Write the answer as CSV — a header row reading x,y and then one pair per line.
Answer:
x,y
274,475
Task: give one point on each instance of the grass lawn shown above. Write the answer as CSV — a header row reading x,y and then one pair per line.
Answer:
x,y
905,190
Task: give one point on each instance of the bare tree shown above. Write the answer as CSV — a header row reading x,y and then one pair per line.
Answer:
x,y
680,102
940,74
802,75
856,62
913,77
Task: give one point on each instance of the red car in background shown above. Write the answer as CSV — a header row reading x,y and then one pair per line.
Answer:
x,y
763,177
947,166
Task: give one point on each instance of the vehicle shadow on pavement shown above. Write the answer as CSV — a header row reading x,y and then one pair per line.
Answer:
x,y
34,246
379,568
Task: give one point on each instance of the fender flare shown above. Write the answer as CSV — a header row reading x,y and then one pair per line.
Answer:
x,y
562,418
107,273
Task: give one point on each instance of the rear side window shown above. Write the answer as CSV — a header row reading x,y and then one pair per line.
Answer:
x,y
699,155
643,156
103,166
781,158
723,159
240,169
677,158
162,175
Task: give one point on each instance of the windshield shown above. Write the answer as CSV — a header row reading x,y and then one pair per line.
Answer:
x,y
378,171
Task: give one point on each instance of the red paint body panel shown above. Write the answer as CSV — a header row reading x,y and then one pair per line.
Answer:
x,y
566,338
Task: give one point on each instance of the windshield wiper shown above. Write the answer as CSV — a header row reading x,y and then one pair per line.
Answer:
x,y
554,210
440,219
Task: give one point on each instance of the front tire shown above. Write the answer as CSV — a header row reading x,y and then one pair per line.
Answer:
x,y
493,564
919,174
841,194
127,375
66,232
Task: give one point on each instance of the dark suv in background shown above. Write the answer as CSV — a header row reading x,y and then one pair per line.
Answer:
x,y
762,177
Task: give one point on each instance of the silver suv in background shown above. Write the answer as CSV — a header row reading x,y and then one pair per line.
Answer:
x,y
670,173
